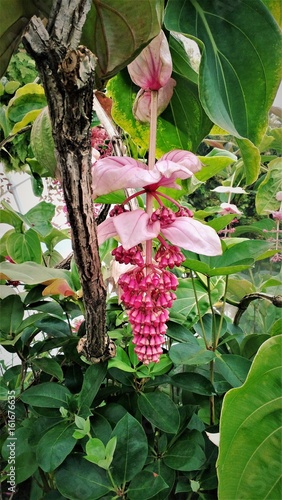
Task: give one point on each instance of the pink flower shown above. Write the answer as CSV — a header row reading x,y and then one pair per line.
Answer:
x,y
142,104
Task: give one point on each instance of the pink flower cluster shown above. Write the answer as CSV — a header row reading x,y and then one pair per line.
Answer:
x,y
147,294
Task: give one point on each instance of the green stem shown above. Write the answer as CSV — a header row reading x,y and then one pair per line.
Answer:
x,y
199,312
222,313
112,480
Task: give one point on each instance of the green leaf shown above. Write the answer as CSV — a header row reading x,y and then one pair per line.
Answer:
x,y
266,194
76,478
239,74
17,16
193,382
12,314
131,450
160,410
185,455
114,33
31,273
212,165
145,485
251,159
121,361
55,446
92,380
189,354
185,304
95,450
11,218
27,98
46,395
49,365
234,368
23,247
250,430
42,145
54,327
28,118
39,218
26,463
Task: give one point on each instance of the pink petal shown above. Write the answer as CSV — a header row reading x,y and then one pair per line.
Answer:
x,y
192,235
106,230
152,68
135,227
185,158
113,173
170,171
142,104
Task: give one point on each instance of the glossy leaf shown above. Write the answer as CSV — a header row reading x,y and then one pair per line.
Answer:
x,y
17,15
23,247
25,457
238,76
30,273
193,382
145,485
189,354
27,98
115,32
250,430
39,218
266,194
234,368
49,365
12,314
92,380
77,478
131,450
55,445
54,327
46,395
185,305
160,410
42,145
185,455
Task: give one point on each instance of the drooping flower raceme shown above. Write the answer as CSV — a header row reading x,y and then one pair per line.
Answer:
x,y
148,289
151,70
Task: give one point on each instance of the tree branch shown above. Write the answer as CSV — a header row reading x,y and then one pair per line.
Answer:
x,y
67,73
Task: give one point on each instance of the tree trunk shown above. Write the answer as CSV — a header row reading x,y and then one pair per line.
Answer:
x,y
67,71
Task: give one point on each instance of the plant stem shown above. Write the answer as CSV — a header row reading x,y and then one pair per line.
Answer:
x,y
151,163
199,312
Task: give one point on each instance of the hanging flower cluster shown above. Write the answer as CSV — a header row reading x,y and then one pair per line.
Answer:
x,y
148,287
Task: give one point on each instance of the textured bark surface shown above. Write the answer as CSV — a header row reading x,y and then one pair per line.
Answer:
x,y
67,72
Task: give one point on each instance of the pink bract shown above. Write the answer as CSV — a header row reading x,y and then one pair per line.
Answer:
x,y
113,173
142,104
152,69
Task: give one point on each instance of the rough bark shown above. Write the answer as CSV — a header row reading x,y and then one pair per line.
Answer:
x,y
67,72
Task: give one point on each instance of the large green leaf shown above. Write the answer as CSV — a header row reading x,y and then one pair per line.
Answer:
x,y
55,445
25,457
131,450
46,395
240,66
185,454
250,430
23,247
31,273
185,306
12,312
92,380
76,479
145,485
160,410
117,31
269,187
